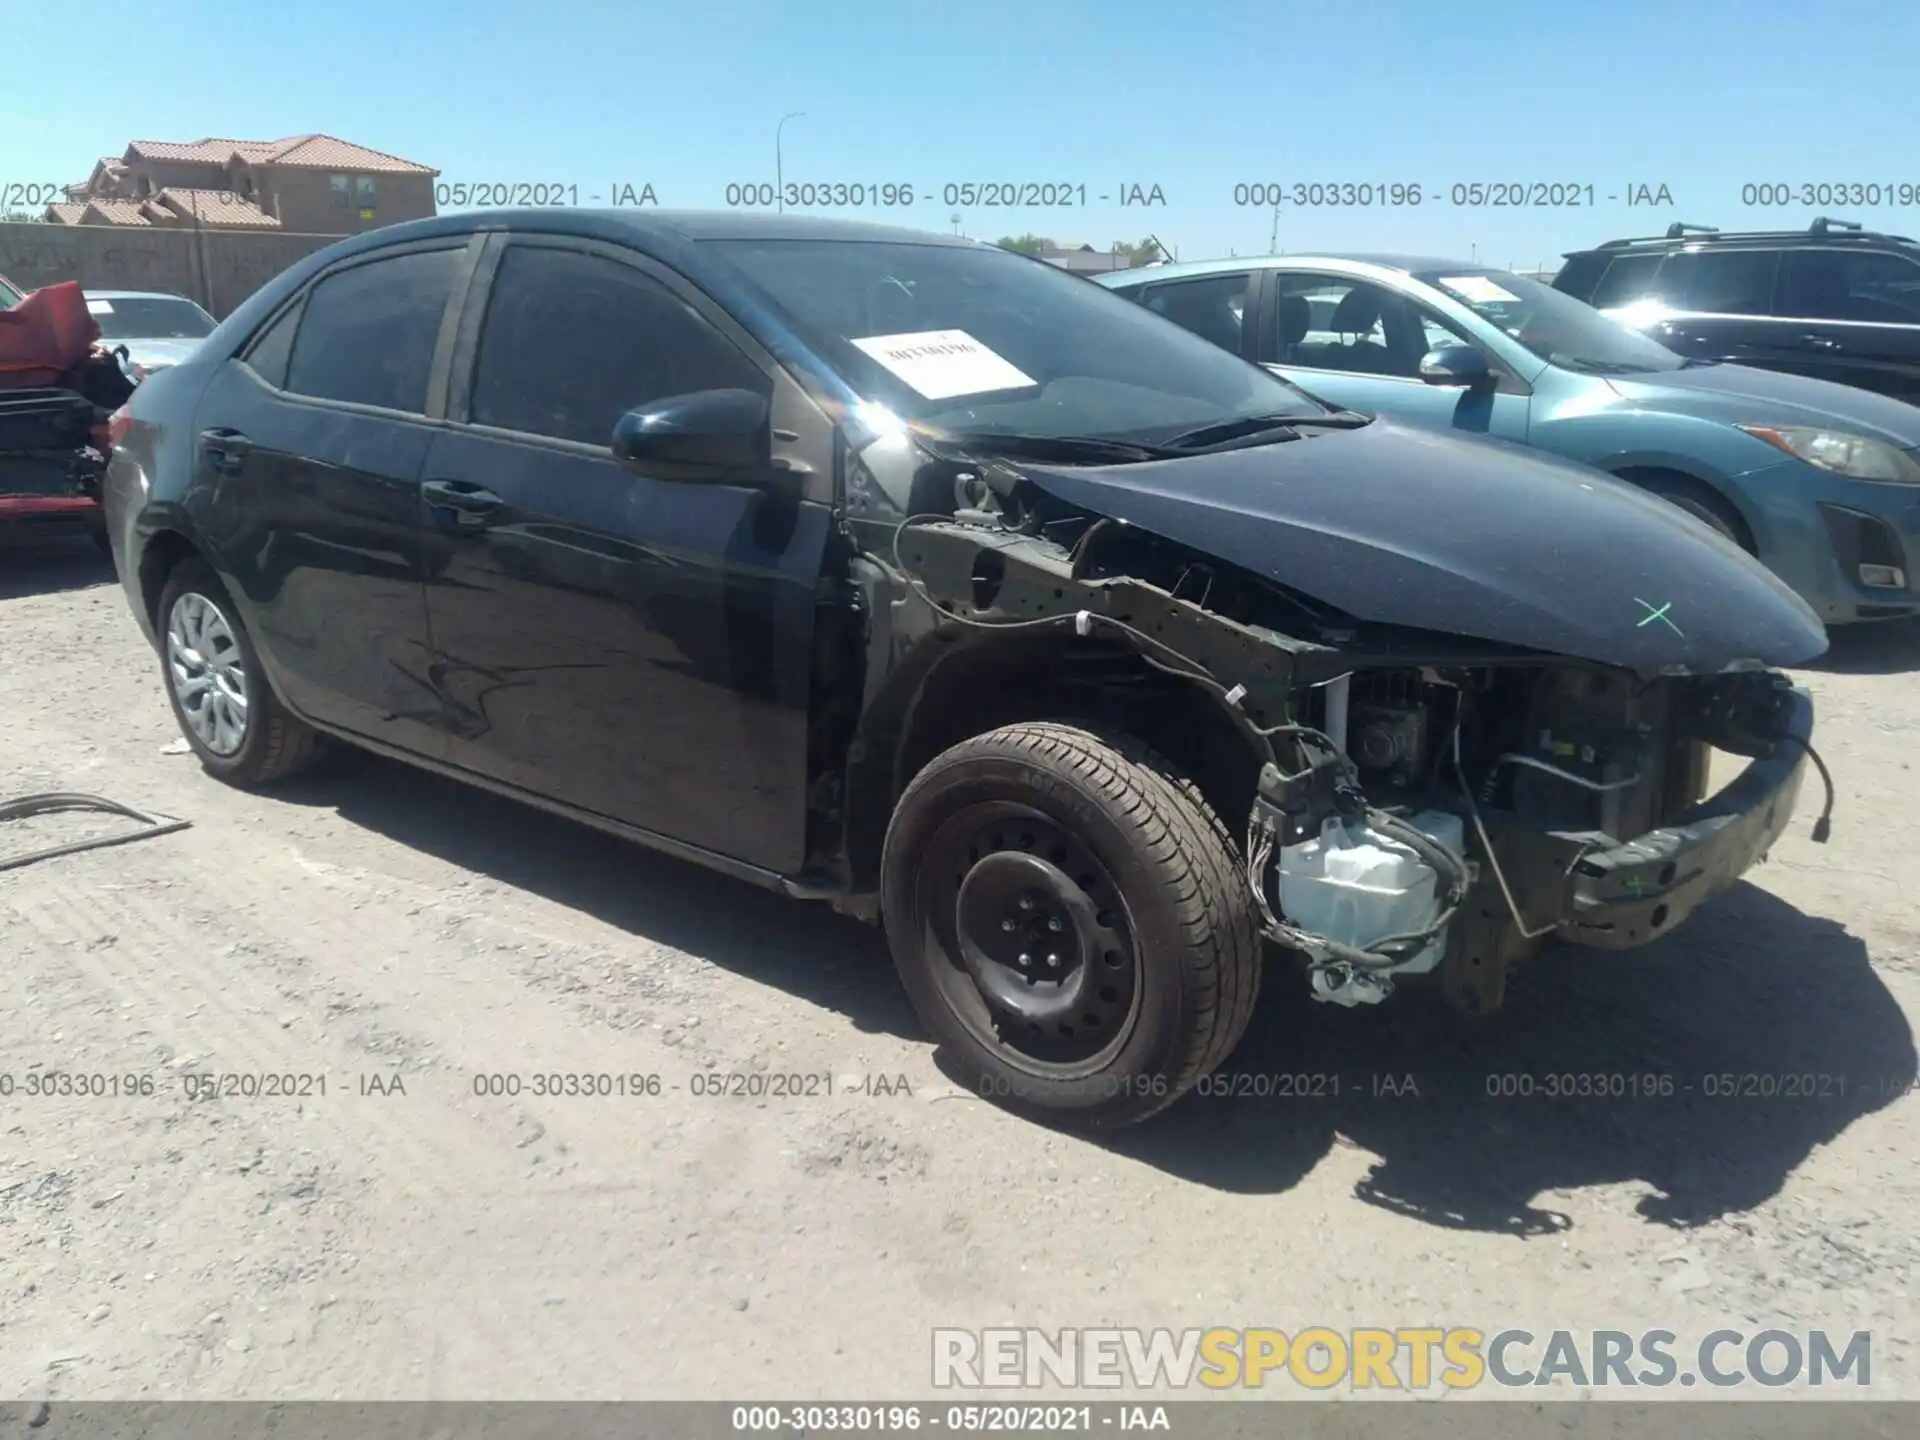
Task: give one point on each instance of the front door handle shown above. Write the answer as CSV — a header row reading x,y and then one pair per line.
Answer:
x,y
227,449
460,505
1820,342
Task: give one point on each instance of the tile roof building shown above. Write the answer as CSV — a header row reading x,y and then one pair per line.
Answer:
x,y
304,184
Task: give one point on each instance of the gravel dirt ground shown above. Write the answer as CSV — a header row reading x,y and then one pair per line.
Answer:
x,y
402,1237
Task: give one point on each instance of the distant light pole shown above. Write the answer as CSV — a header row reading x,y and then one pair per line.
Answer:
x,y
779,167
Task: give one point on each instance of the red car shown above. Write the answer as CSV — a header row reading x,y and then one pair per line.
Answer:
x,y
52,444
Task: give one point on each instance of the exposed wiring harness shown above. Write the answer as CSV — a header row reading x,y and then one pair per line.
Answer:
x,y
1390,951
1823,827
1486,841
1083,623
54,802
1386,953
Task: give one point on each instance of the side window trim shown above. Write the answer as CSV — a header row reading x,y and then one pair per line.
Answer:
x,y
465,354
292,312
434,403
440,377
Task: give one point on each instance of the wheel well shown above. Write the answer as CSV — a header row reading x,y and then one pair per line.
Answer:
x,y
164,554
1652,477
985,686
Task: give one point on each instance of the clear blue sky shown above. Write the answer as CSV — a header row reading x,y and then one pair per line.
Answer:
x,y
1191,95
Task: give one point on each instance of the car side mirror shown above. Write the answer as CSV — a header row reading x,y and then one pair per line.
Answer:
x,y
712,437
1460,365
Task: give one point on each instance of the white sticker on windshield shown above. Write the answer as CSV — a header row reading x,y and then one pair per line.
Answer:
x,y
99,307
940,364
1478,289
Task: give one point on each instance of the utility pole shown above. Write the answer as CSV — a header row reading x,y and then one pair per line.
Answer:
x,y
779,165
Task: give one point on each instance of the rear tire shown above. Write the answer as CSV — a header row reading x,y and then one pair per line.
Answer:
x,y
1071,922
219,692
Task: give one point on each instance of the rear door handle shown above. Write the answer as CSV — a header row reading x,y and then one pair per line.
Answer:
x,y
227,449
460,505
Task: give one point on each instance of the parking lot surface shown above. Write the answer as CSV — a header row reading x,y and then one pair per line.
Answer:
x,y
687,1225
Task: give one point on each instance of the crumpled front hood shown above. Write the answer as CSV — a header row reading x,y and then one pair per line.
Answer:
x,y
1402,526
1742,395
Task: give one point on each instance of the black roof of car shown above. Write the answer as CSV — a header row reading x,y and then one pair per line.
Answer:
x,y
1822,231
672,237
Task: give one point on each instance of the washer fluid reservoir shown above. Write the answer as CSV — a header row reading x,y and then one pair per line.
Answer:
x,y
1357,886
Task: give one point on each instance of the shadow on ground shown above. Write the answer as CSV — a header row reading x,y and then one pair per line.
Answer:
x,y
1886,647
1724,1053
1734,1046
46,567
796,946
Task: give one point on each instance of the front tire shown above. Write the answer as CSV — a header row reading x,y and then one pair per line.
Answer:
x,y
1698,501
219,692
1071,922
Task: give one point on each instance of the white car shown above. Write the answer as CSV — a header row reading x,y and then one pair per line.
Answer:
x,y
157,330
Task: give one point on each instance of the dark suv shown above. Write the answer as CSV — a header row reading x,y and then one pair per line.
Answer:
x,y
1833,301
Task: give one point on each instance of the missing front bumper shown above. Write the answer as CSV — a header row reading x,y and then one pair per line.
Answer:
x,y
1630,894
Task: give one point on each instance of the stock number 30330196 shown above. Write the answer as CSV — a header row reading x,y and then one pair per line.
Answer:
x,y
627,1085
802,195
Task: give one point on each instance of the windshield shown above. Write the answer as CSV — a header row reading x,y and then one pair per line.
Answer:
x,y
150,317
974,338
1553,325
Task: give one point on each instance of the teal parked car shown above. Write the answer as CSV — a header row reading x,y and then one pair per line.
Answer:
x,y
1820,481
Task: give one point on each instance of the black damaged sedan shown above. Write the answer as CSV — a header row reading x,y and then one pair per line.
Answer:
x,y
901,572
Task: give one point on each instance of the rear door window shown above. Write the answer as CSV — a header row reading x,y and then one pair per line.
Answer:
x,y
368,334
1859,285
1214,307
1718,282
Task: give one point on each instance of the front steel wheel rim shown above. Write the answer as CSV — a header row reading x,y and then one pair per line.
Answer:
x,y
1031,940
208,673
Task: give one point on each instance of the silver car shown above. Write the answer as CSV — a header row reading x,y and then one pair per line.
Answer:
x,y
157,330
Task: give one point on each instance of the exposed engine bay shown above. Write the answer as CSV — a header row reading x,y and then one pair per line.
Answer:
x,y
1375,843
1427,803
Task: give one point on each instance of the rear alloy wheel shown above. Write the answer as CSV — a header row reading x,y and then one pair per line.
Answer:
x,y
1071,922
226,709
